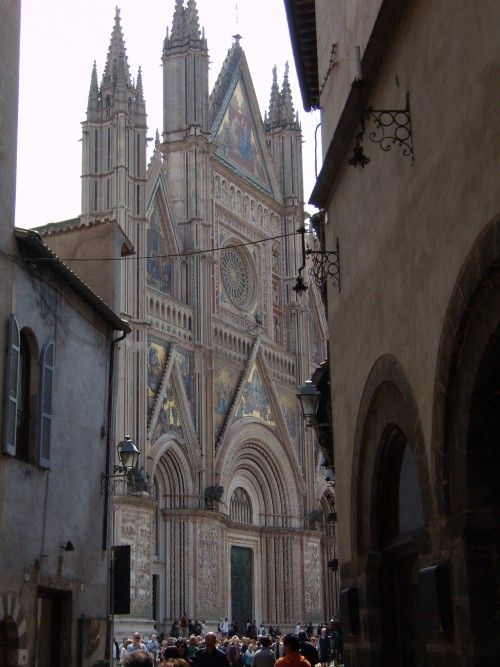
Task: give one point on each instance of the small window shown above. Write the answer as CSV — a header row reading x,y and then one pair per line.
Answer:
x,y
240,508
27,422
27,402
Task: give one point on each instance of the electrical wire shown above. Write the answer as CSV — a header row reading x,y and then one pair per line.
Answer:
x,y
132,257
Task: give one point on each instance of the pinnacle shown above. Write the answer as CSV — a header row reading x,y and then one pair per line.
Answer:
x,y
94,86
274,102
185,25
179,22
287,110
192,21
138,87
116,70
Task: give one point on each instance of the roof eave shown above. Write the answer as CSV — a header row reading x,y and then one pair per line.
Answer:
x,y
34,242
301,17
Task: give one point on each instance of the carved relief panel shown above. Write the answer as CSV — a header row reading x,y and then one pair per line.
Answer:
x,y
212,572
312,581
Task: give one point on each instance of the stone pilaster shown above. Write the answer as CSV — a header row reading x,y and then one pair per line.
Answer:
x,y
134,525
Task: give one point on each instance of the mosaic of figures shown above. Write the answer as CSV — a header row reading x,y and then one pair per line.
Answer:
x,y
185,362
170,416
236,139
160,269
288,403
254,400
225,385
157,361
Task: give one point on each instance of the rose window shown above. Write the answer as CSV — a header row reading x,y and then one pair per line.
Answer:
x,y
234,272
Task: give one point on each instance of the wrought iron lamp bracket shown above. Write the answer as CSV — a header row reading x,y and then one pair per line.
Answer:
x,y
325,265
110,482
392,126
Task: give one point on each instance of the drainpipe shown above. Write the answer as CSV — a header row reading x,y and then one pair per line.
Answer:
x,y
109,431
105,527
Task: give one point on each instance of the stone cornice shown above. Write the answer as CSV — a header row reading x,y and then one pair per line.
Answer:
x,y
135,501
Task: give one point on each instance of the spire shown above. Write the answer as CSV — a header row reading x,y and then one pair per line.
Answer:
x,y
179,22
138,87
275,102
287,110
94,87
116,70
192,21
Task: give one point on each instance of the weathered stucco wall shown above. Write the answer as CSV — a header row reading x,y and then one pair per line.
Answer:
x,y
346,24
103,239
405,231
45,509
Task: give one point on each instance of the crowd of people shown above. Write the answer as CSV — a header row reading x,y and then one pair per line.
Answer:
x,y
254,648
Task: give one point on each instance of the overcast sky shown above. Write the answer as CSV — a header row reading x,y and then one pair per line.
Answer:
x,y
60,40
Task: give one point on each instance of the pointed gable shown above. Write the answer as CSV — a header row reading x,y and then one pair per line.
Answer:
x,y
237,127
236,139
172,409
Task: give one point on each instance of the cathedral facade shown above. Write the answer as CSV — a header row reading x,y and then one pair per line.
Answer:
x,y
228,523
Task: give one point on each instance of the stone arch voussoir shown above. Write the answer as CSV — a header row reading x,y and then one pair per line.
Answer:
x,y
272,463
171,445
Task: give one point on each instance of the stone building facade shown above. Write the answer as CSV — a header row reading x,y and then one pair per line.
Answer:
x,y
56,341
414,329
219,344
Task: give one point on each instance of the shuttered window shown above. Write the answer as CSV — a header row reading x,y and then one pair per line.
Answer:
x,y
47,362
11,388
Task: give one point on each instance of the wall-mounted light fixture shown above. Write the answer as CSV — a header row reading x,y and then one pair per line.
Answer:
x,y
325,265
315,402
128,455
309,397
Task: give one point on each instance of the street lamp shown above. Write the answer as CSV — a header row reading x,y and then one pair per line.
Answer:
x,y
128,455
309,397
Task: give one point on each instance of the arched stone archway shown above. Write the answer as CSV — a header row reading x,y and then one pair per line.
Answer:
x,y
13,639
252,451
390,540
174,471
466,451
187,457
253,459
387,399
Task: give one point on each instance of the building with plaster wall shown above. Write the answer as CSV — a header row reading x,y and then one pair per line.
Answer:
x,y
412,197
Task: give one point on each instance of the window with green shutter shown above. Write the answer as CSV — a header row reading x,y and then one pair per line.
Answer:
x,y
47,363
11,388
